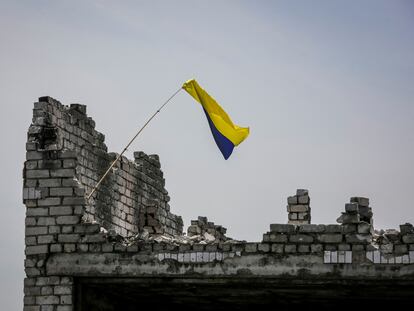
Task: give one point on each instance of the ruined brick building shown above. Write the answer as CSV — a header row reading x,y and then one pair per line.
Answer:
x,y
125,249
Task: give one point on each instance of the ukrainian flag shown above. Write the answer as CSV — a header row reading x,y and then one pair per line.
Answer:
x,y
226,134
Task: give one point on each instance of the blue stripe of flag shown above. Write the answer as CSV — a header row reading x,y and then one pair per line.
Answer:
x,y
225,145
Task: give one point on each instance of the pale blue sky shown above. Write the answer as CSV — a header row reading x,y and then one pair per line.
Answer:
x,y
325,86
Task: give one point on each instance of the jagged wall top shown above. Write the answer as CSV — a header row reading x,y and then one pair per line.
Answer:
x,y
132,196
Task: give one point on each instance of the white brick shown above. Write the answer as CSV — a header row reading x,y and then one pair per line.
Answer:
x,y
187,257
180,257
199,257
334,257
206,257
348,257
327,257
31,193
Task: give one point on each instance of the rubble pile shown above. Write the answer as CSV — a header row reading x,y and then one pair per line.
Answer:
x,y
201,231
203,227
356,211
357,218
392,241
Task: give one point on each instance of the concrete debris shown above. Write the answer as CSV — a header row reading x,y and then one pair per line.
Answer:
x,y
201,226
143,235
209,237
162,238
206,238
392,235
176,240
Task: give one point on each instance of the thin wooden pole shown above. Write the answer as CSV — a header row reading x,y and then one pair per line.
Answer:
x,y
130,142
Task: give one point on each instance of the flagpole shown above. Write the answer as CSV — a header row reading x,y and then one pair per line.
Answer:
x,y
130,142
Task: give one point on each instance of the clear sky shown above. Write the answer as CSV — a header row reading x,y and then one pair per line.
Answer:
x,y
326,87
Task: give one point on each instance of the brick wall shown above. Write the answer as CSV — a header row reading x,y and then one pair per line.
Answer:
x,y
354,236
132,196
65,158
